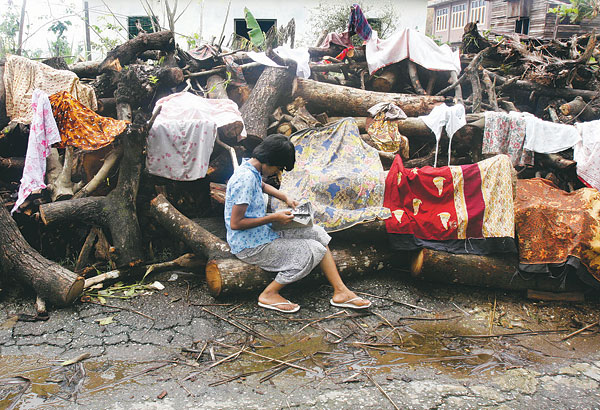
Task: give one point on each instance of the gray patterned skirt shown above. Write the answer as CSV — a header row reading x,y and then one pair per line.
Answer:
x,y
297,252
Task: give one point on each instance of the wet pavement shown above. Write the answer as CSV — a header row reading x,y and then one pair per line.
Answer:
x,y
421,346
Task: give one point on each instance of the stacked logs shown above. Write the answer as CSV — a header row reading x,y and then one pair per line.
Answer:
x,y
109,193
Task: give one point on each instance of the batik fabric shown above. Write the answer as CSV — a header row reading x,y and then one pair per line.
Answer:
x,y
81,127
553,225
338,173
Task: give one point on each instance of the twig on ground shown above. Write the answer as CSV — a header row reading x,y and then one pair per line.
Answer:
x,y
380,389
394,300
240,326
583,329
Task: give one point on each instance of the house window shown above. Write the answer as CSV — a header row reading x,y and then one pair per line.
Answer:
x,y
477,11
441,19
459,15
241,29
145,22
522,25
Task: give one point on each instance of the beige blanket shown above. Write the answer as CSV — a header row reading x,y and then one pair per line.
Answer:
x,y
22,76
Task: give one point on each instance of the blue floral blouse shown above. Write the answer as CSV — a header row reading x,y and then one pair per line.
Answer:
x,y
245,187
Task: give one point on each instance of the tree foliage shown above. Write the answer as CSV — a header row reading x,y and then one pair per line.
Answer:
x,y
9,30
334,17
578,10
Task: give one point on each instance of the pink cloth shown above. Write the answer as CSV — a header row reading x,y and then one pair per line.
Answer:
x,y
415,46
341,39
183,135
43,132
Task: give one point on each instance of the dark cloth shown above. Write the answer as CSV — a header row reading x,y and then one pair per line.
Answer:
x,y
475,246
359,24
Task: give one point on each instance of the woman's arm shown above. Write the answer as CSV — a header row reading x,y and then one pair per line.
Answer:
x,y
271,190
240,222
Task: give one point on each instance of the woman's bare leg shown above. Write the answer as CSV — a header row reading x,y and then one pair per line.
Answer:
x,y
341,293
271,295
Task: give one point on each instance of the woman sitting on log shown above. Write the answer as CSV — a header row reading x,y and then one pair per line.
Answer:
x,y
292,253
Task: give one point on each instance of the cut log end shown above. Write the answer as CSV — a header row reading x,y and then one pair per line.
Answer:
x,y
213,278
75,290
416,265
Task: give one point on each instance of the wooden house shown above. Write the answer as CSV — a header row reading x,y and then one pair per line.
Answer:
x,y
529,18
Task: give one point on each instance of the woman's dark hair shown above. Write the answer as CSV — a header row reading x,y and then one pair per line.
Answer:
x,y
276,150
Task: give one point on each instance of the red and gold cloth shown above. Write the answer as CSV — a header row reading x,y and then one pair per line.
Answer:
x,y
553,224
452,202
81,127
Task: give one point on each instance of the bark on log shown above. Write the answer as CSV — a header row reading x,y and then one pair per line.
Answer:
x,y
272,87
227,274
52,282
86,69
60,185
579,108
127,52
385,80
487,271
414,78
354,102
231,275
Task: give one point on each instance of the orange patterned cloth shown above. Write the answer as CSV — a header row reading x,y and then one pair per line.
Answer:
x,y
553,224
81,127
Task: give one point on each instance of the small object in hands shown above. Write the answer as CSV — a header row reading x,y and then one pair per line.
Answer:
x,y
303,217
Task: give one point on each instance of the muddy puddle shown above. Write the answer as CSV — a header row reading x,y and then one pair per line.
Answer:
x,y
36,383
476,344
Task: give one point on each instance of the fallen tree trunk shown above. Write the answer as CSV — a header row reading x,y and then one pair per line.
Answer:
x,y
227,274
127,52
348,101
541,89
272,87
117,210
52,282
487,271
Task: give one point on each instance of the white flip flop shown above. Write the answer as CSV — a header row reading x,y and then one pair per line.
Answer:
x,y
273,306
349,304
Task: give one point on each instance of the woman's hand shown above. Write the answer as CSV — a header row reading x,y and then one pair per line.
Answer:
x,y
292,203
283,217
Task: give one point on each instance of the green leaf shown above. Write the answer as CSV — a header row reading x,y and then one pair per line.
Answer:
x,y
257,37
105,321
101,300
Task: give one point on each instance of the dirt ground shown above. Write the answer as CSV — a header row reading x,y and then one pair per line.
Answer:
x,y
421,346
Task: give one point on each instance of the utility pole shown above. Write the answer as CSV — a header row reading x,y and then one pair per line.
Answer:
x,y
21,24
88,44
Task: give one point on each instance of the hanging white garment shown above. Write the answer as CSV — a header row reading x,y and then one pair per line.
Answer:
x,y
587,153
299,55
548,137
43,132
452,118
